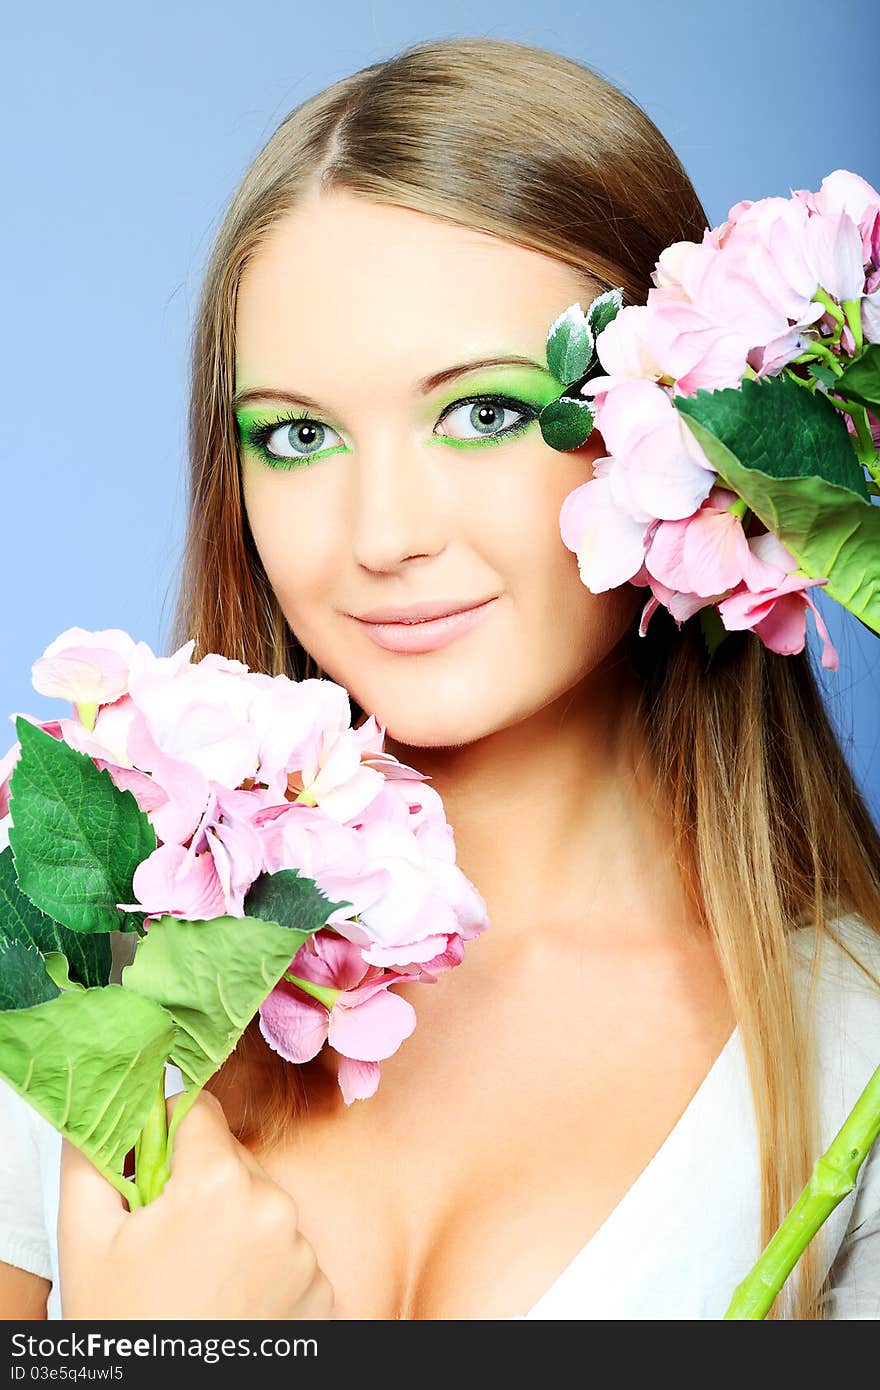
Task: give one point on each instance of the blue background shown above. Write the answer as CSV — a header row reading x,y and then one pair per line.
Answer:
x,y
125,132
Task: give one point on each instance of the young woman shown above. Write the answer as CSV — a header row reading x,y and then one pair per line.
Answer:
x,y
608,1107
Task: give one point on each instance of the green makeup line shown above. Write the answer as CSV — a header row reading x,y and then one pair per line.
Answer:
x,y
527,387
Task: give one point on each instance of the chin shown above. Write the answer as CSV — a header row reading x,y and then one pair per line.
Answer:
x,y
442,730
432,721
438,722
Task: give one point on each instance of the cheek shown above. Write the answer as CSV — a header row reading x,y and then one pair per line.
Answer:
x,y
579,625
530,522
293,532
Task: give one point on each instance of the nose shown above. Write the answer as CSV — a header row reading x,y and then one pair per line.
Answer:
x,y
399,510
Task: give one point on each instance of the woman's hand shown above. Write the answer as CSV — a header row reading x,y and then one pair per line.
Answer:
x,y
220,1241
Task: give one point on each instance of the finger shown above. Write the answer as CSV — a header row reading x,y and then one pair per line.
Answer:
x,y
86,1198
201,1134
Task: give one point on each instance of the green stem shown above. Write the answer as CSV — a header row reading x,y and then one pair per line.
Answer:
x,y
323,993
865,450
818,351
87,714
824,298
852,308
834,1176
810,384
150,1151
128,1190
739,507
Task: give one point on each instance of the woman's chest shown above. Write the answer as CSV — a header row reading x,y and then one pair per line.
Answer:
x,y
468,1195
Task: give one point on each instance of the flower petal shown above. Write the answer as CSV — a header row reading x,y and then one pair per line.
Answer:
x,y
293,1025
372,1030
357,1080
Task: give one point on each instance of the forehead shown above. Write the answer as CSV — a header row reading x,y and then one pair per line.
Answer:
x,y
344,280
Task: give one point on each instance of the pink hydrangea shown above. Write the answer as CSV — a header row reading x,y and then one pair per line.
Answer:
x,y
242,774
358,1015
753,294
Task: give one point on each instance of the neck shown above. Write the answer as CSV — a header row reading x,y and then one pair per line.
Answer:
x,y
553,815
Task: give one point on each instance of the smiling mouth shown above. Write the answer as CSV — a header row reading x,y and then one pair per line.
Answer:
x,y
425,634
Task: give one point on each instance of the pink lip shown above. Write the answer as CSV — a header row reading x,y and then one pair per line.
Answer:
x,y
425,635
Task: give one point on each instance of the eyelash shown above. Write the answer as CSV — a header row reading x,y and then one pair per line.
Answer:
x,y
257,435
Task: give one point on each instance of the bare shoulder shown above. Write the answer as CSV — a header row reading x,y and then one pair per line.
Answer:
x,y
22,1295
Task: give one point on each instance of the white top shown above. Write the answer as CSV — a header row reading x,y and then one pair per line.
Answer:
x,y
685,1233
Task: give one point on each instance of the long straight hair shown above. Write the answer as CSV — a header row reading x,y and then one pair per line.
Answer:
x,y
771,832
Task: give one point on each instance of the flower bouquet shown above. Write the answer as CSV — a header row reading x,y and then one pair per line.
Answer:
x,y
264,855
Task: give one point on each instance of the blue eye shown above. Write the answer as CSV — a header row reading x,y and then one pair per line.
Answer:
x,y
293,439
485,416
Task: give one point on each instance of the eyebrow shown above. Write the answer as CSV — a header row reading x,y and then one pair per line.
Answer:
x,y
424,386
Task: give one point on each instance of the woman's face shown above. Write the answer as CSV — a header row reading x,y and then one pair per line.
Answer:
x,y
394,487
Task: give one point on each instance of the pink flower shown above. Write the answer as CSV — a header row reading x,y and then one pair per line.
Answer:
x,y
778,615
695,347
680,267
371,736
708,553
681,604
335,778
408,901
395,866
664,470
210,877
87,668
200,714
843,192
871,317
608,542
291,718
834,251
766,245
364,1022
623,347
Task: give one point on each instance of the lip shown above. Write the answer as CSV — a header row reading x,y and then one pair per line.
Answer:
x,y
418,612
426,633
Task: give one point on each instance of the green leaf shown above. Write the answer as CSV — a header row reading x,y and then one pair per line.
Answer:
x,y
567,423
712,629
132,922
861,379
24,980
211,976
76,837
58,969
291,900
90,1062
773,425
820,372
89,955
830,530
604,308
569,345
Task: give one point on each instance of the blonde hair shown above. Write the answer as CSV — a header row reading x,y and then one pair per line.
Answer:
x,y
771,832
